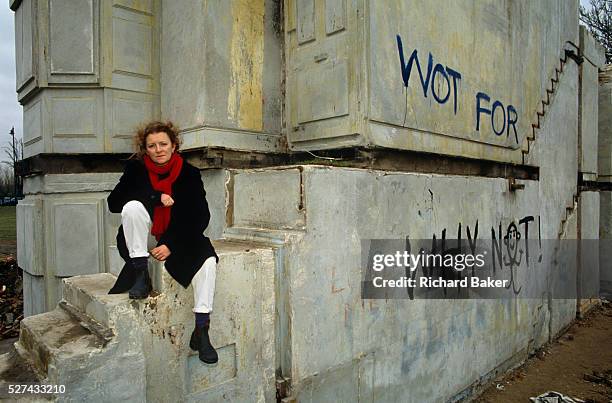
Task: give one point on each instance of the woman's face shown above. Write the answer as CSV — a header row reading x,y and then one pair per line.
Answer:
x,y
159,147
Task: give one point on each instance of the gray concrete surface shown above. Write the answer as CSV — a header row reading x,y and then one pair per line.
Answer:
x,y
334,335
364,98
605,175
290,299
605,124
214,85
344,346
148,356
63,229
605,250
96,86
589,93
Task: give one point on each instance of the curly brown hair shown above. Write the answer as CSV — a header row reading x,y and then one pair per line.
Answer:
x,y
140,139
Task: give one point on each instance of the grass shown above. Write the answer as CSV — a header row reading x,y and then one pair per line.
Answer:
x,y
8,223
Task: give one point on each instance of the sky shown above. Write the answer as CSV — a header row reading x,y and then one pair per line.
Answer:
x,y
10,110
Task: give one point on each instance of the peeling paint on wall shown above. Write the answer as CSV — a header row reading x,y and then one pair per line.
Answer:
x,y
245,101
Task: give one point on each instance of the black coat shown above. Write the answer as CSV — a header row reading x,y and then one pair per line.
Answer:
x,y
189,217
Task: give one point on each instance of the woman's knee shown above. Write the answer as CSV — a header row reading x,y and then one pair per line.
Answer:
x,y
210,265
133,207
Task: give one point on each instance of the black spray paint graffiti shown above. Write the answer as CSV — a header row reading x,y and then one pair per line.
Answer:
x,y
438,73
509,247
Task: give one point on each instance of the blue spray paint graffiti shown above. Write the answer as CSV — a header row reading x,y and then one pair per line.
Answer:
x,y
438,72
510,116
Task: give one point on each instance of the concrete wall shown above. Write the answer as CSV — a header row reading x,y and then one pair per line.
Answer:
x,y
605,124
221,72
242,331
215,181
605,255
99,86
605,175
589,277
589,209
62,231
344,348
593,54
346,56
220,80
345,84
96,86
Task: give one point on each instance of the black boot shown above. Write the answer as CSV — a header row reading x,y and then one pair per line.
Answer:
x,y
142,285
200,342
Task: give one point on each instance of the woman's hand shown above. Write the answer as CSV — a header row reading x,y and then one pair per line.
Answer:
x,y
166,200
161,253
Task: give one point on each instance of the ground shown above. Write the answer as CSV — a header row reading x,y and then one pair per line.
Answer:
x,y
11,300
8,241
585,349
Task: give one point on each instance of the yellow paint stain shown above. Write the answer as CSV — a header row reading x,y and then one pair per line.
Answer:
x,y
245,100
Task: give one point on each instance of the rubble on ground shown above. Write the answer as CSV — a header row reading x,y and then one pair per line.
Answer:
x,y
604,377
554,397
11,297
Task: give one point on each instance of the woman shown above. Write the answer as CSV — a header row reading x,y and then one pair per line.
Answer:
x,y
163,195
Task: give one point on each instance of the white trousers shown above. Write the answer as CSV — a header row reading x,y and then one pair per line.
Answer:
x,y
137,230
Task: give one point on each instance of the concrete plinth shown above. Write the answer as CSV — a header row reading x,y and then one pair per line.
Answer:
x,y
110,348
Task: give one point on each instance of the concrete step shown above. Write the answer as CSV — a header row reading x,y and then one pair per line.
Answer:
x,y
55,338
111,348
89,295
14,370
242,330
62,350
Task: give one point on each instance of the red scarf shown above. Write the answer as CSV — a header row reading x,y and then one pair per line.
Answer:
x,y
161,214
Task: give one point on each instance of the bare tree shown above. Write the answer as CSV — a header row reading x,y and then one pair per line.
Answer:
x,y
14,152
598,20
7,177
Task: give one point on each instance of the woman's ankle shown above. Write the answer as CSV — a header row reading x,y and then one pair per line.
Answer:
x,y
202,319
140,263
